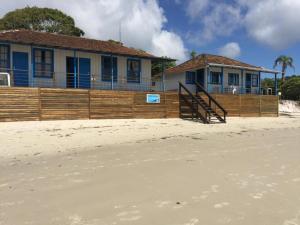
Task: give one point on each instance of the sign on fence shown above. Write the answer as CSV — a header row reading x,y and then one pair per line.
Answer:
x,y
153,98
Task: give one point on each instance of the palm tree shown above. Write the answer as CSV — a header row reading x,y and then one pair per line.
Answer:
x,y
285,62
193,54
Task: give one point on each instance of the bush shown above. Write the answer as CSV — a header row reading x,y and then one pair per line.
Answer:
x,y
291,89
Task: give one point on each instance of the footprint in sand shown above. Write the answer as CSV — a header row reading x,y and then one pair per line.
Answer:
x,y
221,205
129,215
214,188
161,204
257,195
179,205
192,221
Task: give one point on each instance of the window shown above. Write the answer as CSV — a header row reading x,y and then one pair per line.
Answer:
x,y
4,58
133,71
233,79
215,77
43,63
190,77
254,80
107,68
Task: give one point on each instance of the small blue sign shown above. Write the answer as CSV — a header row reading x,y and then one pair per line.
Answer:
x,y
153,98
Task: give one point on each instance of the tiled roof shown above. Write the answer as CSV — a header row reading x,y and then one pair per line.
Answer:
x,y
205,59
70,42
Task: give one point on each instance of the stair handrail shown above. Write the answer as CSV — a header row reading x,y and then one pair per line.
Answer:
x,y
209,96
194,98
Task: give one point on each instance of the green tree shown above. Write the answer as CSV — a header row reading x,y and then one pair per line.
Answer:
x,y
40,19
291,88
157,66
267,83
285,62
193,54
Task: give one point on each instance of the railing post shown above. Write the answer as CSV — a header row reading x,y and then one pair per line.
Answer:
x,y
112,72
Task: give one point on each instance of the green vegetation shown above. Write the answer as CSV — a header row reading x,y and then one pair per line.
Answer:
x,y
291,88
40,19
285,62
157,67
193,54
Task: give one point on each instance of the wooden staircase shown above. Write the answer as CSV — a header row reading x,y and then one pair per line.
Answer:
x,y
196,107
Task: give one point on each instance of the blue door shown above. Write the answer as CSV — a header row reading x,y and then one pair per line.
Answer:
x,y
20,66
84,73
78,72
200,77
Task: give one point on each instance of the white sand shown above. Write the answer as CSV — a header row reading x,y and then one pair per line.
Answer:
x,y
50,137
288,106
150,172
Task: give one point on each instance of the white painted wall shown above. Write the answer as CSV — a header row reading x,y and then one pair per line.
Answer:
x,y
171,81
59,78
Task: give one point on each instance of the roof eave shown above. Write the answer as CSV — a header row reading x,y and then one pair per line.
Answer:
x,y
153,58
259,69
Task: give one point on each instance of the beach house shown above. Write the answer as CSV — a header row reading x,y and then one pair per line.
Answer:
x,y
40,59
218,74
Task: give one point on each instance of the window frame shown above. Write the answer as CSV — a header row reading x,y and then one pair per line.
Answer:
x,y
43,63
219,78
236,79
7,58
115,69
139,72
256,76
190,77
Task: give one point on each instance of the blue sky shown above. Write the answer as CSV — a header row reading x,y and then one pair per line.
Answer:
x,y
251,50
254,31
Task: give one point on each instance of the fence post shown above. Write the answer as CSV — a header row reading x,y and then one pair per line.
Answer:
x,y
240,105
89,93
260,105
40,104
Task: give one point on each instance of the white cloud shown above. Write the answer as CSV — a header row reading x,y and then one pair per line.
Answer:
x,y
215,18
141,22
274,22
231,50
195,8
271,22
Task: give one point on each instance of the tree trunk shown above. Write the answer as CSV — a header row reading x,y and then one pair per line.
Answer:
x,y
283,74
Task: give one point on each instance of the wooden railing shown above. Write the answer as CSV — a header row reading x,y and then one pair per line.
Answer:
x,y
200,89
197,103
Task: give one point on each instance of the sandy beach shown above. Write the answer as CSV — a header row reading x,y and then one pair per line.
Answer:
x,y
148,172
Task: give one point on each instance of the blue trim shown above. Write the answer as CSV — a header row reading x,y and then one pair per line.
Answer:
x,y
75,61
33,51
259,76
222,79
115,69
207,78
8,55
139,72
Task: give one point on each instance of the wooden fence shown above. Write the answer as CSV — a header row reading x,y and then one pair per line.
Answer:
x,y
21,104
249,105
